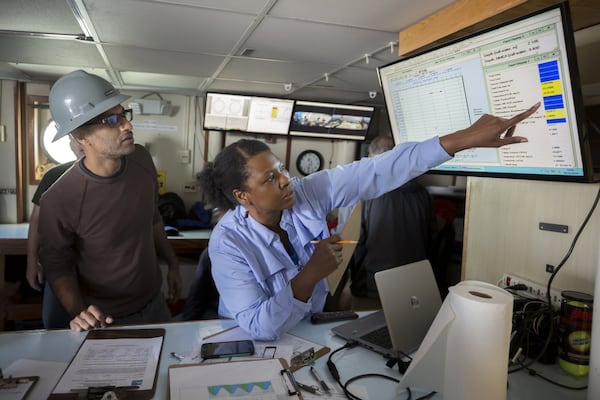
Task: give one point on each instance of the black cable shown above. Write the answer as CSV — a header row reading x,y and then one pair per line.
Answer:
x,y
333,371
336,376
402,364
427,396
550,308
566,257
351,395
533,372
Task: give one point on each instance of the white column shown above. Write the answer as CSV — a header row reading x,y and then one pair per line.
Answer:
x,y
593,391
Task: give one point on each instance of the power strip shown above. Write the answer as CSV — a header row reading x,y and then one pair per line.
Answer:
x,y
534,289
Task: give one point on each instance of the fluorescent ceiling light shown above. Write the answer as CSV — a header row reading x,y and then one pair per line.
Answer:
x,y
46,35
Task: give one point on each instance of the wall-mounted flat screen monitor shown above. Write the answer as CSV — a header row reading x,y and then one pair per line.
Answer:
x,y
231,112
502,71
268,115
335,121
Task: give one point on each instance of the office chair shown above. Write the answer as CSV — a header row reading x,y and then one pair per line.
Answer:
x,y
203,299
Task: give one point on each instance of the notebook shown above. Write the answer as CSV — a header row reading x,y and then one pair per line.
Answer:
x,y
410,300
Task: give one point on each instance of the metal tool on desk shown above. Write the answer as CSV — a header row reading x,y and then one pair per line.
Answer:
x,y
16,385
105,392
308,388
320,380
304,358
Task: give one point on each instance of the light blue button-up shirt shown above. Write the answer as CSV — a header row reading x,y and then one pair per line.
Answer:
x,y
250,266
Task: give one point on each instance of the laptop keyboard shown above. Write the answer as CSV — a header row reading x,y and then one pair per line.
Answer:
x,y
380,337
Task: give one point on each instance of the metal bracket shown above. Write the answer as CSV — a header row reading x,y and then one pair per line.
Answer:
x,y
545,226
305,358
105,393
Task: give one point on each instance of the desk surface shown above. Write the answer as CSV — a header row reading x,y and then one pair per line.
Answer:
x,y
13,231
13,240
183,337
19,231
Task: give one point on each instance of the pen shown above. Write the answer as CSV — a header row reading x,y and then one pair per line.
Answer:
x,y
324,386
338,242
177,356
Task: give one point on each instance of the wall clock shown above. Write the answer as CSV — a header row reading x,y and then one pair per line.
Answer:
x,y
309,161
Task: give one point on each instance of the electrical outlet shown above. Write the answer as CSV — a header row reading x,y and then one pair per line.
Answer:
x,y
534,289
190,187
184,156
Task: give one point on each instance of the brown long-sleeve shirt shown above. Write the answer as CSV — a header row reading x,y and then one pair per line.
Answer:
x,y
100,230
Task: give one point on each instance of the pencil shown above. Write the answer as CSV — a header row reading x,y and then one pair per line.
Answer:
x,y
338,242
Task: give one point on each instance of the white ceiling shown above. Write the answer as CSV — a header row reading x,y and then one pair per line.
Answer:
x,y
327,49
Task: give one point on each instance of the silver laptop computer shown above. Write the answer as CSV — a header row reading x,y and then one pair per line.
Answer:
x,y
410,300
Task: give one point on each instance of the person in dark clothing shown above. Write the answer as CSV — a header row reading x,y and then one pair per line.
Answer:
x,y
100,228
396,229
53,313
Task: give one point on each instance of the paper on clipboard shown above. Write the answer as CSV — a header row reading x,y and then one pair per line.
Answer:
x,y
48,371
267,379
16,388
350,231
125,358
287,347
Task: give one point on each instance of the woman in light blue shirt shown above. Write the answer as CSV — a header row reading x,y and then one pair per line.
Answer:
x,y
268,273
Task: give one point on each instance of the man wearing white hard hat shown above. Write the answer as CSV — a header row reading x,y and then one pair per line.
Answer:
x,y
100,228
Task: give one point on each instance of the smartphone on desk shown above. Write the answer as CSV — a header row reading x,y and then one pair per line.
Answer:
x,y
236,348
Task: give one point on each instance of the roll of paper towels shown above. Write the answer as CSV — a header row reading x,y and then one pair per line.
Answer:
x,y
465,352
593,391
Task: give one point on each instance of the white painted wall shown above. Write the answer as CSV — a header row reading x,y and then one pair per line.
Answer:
x,y
502,234
164,136
334,153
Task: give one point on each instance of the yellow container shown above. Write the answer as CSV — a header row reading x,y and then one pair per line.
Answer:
x,y
575,332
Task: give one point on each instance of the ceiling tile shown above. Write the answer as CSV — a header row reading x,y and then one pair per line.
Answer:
x,y
285,39
181,46
38,16
13,72
168,26
357,79
53,72
49,52
334,95
273,71
383,15
246,6
248,87
168,62
165,81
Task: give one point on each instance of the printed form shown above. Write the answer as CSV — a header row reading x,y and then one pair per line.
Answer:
x,y
127,362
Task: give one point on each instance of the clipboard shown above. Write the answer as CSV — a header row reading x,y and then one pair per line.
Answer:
x,y
267,377
350,231
307,351
120,338
17,387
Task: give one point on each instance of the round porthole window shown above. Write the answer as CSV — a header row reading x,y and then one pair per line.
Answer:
x,y
60,152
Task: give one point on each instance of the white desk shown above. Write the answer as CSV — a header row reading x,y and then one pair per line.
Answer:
x,y
182,338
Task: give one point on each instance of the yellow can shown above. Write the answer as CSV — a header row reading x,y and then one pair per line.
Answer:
x,y
575,332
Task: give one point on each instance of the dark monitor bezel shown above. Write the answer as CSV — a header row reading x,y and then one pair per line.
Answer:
x,y
250,97
298,130
573,71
